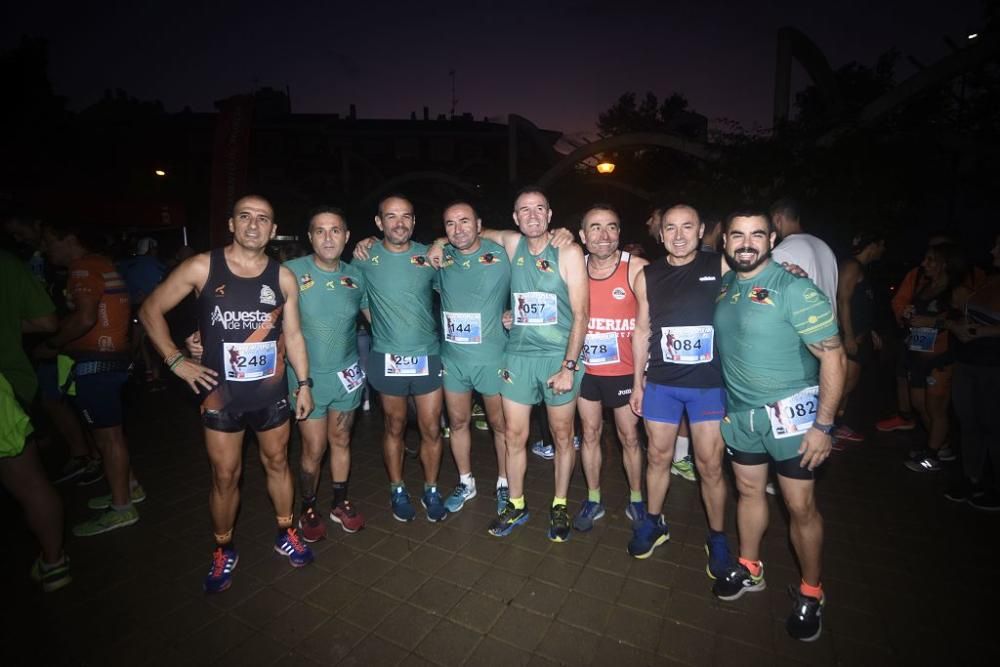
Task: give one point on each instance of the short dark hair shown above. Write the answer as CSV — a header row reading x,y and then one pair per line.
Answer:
x,y
747,213
250,195
461,202
332,210
391,195
667,209
788,207
530,190
864,237
600,206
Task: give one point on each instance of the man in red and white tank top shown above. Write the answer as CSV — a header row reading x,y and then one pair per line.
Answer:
x,y
607,354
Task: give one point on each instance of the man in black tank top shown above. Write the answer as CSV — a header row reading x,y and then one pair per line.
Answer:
x,y
248,323
674,334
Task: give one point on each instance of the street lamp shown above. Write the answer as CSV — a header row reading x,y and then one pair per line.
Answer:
x,y
605,167
159,172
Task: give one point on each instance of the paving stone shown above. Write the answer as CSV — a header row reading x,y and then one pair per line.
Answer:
x,y
540,597
477,612
400,582
374,650
566,644
331,641
634,628
407,626
448,643
297,621
437,596
599,584
493,653
520,628
368,610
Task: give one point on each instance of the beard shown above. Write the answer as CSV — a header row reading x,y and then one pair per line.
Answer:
x,y
746,266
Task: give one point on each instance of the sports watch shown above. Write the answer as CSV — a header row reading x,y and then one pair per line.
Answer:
x,y
825,429
571,365
308,382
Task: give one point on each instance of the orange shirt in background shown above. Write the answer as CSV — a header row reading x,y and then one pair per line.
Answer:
x,y
95,274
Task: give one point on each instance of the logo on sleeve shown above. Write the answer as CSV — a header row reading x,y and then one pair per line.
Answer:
x,y
418,260
374,260
305,282
761,295
520,261
267,296
347,282
810,295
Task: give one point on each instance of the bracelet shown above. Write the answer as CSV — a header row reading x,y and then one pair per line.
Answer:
x,y
169,361
176,362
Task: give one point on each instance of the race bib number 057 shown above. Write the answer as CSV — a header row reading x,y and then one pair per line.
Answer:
x,y
249,362
535,309
794,415
398,365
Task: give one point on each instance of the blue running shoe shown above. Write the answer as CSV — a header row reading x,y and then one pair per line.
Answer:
x,y
719,559
648,534
458,497
588,514
220,577
431,500
503,495
559,523
402,508
290,544
509,519
636,511
547,452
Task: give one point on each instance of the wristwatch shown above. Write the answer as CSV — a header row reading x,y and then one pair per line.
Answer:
x,y
571,365
825,429
308,382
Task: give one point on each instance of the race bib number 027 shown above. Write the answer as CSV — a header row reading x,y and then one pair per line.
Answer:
x,y
600,349
794,415
922,339
352,377
398,365
535,309
687,345
462,328
249,362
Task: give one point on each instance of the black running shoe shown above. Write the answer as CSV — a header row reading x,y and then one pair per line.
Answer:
x,y
737,581
805,623
559,523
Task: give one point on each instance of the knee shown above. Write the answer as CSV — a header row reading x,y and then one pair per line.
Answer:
x,y
710,470
498,424
225,480
459,425
802,508
751,489
658,457
394,426
275,461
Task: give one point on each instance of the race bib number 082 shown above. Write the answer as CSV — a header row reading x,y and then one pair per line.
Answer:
x,y
794,415
249,362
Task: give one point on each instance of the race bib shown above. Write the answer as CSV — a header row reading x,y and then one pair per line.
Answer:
x,y
794,415
352,377
462,328
535,309
922,339
249,362
600,349
687,345
398,365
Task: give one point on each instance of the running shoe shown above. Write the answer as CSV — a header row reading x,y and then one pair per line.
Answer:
x,y
92,474
51,577
805,623
924,463
349,518
479,418
559,523
107,521
457,499
847,434
431,500
986,502
547,452
503,495
719,558
289,543
684,469
509,519
771,489
636,511
402,508
736,581
588,514
445,431
946,454
576,442
311,526
957,492
73,468
220,575
895,423
647,534
104,502
839,445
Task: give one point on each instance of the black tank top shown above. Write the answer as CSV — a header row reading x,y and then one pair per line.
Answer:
x,y
862,304
683,296
240,324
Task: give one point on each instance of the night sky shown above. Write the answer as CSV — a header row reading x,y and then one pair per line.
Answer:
x,y
559,63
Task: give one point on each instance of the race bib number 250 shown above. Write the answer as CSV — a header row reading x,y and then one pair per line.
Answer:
x,y
398,365
249,362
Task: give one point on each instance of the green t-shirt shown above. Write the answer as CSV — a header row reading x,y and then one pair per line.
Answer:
x,y
22,297
762,327
400,287
475,290
539,300
329,303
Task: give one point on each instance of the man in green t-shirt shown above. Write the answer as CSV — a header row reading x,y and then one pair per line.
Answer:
x,y
475,289
784,369
405,359
331,295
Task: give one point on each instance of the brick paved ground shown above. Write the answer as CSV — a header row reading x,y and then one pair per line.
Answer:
x,y
906,573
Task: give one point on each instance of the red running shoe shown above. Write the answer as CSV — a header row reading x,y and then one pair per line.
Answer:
x,y
847,433
312,526
895,423
349,518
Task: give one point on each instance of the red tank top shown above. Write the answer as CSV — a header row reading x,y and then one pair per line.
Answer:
x,y
608,348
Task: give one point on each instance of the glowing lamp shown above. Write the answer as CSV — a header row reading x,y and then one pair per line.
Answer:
x,y
605,167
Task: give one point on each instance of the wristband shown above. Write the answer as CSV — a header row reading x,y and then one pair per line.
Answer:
x,y
172,359
825,429
176,362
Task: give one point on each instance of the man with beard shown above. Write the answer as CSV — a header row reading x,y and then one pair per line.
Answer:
x,y
607,354
549,295
405,358
674,334
784,368
475,289
248,304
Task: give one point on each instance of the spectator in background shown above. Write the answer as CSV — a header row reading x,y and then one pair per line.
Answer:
x,y
713,233
810,253
142,273
856,306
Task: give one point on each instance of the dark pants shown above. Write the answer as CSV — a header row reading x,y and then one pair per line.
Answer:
x,y
974,397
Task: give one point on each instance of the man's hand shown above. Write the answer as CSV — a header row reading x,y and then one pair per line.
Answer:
x,y
561,382
363,246
507,319
559,238
194,346
435,255
815,448
303,402
794,269
635,400
197,376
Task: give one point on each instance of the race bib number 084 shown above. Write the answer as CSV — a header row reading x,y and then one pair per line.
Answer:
x,y
794,415
687,345
249,362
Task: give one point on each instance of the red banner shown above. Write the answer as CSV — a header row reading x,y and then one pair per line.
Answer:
x,y
230,163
